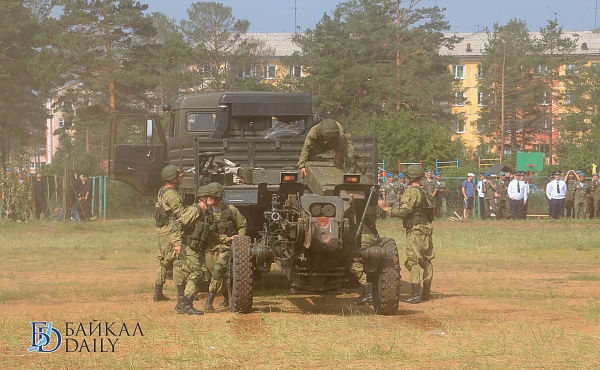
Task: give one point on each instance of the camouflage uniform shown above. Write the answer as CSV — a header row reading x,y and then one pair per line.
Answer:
x,y
225,222
170,234
369,238
502,206
441,189
595,195
417,216
327,137
582,193
390,194
489,198
429,185
195,266
572,182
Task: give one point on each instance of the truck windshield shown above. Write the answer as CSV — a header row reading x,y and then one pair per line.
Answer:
x,y
200,122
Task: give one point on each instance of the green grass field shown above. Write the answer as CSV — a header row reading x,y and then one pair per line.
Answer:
x,y
505,295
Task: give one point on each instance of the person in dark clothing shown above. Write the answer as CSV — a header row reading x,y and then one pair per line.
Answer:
x,y
39,196
85,198
76,187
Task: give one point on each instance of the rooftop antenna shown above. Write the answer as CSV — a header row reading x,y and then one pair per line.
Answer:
x,y
296,27
595,14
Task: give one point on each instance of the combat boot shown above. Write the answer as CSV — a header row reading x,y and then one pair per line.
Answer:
x,y
188,307
225,293
158,294
209,301
416,294
180,298
426,293
366,297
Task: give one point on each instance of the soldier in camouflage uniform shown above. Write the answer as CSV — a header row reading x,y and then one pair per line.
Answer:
x,y
441,190
582,196
572,181
196,237
416,211
502,205
369,238
401,185
226,222
428,183
390,193
327,137
595,196
489,198
171,218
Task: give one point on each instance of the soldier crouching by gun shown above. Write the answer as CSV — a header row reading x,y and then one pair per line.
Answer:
x,y
416,211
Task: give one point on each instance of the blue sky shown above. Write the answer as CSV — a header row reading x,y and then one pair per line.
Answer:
x,y
463,15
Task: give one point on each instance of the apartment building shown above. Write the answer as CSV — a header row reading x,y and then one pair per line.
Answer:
x,y
469,53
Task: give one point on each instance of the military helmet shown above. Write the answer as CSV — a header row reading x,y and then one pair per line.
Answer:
x,y
329,129
203,191
169,172
415,170
214,189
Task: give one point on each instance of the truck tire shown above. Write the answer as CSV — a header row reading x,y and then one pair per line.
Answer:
x,y
240,275
386,285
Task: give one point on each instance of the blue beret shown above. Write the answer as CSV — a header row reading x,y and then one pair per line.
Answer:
x,y
389,174
486,174
401,176
428,170
501,173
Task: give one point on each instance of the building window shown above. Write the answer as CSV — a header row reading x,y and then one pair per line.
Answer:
x,y
459,99
252,71
458,70
480,99
479,71
546,98
270,71
481,127
295,71
569,99
61,122
208,70
459,126
541,71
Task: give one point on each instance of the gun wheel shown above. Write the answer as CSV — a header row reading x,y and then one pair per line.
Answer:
x,y
240,275
386,286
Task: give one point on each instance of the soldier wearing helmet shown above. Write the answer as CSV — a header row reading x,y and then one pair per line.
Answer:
x,y
196,237
416,211
226,222
171,217
328,137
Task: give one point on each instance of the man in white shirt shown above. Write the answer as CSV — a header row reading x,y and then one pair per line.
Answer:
x,y
556,191
481,195
517,193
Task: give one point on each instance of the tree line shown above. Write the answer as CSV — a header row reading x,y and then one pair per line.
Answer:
x,y
374,65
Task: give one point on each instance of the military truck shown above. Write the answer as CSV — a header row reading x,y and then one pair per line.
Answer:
x,y
250,142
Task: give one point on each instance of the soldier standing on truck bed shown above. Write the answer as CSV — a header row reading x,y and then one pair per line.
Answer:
x,y
325,137
226,222
171,216
416,211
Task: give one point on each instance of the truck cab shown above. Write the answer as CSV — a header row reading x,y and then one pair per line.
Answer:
x,y
262,130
